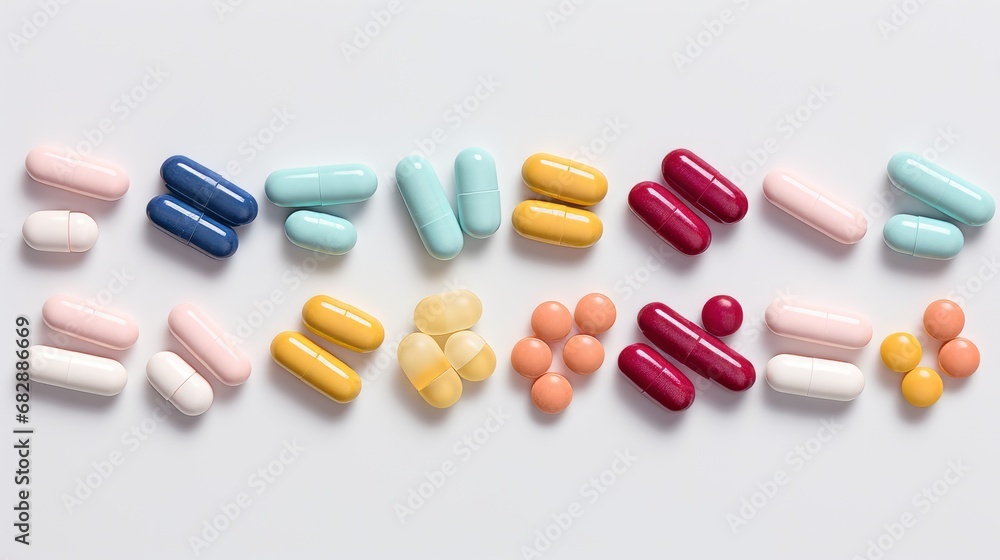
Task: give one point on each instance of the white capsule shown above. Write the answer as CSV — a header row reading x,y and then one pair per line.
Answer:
x,y
76,371
60,231
178,382
814,377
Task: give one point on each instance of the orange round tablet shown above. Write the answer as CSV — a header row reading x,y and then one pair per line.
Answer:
x,y
531,357
595,313
551,393
959,357
944,319
583,354
551,321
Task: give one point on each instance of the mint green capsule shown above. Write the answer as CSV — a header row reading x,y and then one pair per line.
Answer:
x,y
429,207
478,194
320,232
941,189
923,237
321,186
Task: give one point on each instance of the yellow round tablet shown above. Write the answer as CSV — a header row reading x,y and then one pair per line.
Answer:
x,y
922,387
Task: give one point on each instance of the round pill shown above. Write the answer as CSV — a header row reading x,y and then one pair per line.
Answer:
x,y
551,321
551,393
595,313
901,352
922,387
722,315
959,358
531,357
583,354
944,319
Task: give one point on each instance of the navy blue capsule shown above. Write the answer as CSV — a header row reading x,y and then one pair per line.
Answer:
x,y
198,185
191,226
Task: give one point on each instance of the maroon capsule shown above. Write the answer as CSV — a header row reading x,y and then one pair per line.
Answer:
x,y
722,315
669,218
690,345
655,377
703,187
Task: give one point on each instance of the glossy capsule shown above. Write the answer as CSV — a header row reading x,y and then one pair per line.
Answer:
x,y
557,224
426,367
78,318
203,188
814,377
470,355
60,231
564,179
655,377
941,189
323,233
208,343
816,207
316,367
429,208
76,371
322,185
63,169
179,383
923,237
342,324
693,347
821,324
669,218
477,193
703,187
447,312
191,226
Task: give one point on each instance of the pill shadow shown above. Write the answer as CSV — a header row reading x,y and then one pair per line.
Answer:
x,y
47,197
184,255
545,253
76,401
913,414
791,227
643,406
414,403
177,419
909,265
303,395
644,236
809,407
49,261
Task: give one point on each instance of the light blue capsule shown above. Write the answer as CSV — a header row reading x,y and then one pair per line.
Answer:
x,y
324,185
320,232
478,194
429,207
923,237
941,189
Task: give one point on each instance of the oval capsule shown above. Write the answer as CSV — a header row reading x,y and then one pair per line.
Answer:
x,y
323,233
429,208
207,342
76,371
564,179
342,324
447,312
816,207
669,218
177,382
203,188
703,187
477,193
316,367
76,317
655,377
557,224
470,355
66,170
941,189
693,347
323,185
814,377
60,231
191,226
818,323
923,237
426,367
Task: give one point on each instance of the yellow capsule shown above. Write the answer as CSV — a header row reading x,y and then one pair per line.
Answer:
x,y
564,179
318,368
427,368
342,324
557,224
470,355
901,352
447,312
922,387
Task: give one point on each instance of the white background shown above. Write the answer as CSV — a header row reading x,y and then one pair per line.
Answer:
x,y
558,85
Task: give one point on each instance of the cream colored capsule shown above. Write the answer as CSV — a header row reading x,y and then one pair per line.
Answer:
x,y
60,231
427,368
470,355
447,312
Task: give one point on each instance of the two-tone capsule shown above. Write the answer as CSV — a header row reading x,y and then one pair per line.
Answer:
x,y
429,208
923,237
815,206
427,368
669,218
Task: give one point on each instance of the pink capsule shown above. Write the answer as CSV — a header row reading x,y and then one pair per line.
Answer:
x,y
63,169
669,218
816,207
76,317
655,377
207,342
704,187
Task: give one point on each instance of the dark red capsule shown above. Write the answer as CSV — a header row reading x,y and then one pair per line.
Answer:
x,y
693,347
669,218
655,377
704,187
